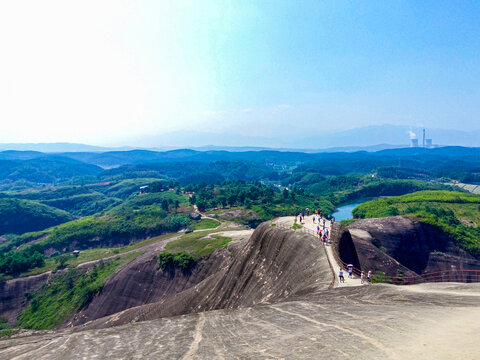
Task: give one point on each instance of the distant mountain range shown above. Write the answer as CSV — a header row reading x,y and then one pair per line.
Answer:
x,y
364,138
21,169
91,162
369,138
59,147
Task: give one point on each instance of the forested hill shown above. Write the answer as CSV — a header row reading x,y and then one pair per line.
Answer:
x,y
456,163
43,169
116,158
19,216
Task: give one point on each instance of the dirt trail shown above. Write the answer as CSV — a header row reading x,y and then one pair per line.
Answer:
x,y
155,247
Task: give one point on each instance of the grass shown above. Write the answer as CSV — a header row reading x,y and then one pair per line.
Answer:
x,y
348,222
8,332
296,225
380,277
198,244
149,241
67,292
100,253
50,265
93,254
205,224
138,217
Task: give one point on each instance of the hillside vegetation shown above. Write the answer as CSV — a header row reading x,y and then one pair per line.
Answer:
x,y
139,217
19,216
456,213
53,204
77,200
264,202
66,293
348,188
46,169
136,218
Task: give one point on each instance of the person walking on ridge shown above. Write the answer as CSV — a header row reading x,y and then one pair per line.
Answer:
x,y
340,276
362,278
350,270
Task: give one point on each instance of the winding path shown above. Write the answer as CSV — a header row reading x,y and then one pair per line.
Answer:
x,y
310,225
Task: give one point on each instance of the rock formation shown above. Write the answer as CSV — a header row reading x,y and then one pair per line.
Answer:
x,y
399,244
13,295
273,266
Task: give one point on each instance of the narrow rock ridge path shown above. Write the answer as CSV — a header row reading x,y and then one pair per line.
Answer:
x,y
311,226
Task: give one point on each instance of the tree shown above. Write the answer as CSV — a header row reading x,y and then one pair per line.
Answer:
x,y
62,260
223,200
165,205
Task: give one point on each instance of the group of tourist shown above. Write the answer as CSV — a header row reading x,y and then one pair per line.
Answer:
x,y
363,278
323,233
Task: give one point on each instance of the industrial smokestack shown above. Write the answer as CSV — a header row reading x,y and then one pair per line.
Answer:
x,y
423,137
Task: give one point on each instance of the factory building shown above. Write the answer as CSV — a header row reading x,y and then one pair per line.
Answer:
x,y
415,141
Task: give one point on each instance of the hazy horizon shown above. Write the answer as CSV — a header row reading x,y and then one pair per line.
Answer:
x,y
115,73
370,138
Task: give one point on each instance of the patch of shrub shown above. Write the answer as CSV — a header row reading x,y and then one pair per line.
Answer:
x,y
182,260
3,323
380,277
15,262
66,293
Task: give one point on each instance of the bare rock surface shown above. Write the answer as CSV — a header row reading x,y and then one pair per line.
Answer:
x,y
12,294
428,321
272,266
142,282
273,301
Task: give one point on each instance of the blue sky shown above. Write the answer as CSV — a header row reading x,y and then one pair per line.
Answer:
x,y
114,71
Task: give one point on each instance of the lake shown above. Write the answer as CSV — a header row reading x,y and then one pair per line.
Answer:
x,y
345,212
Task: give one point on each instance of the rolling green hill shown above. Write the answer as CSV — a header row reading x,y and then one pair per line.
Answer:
x,y
20,216
77,200
45,170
